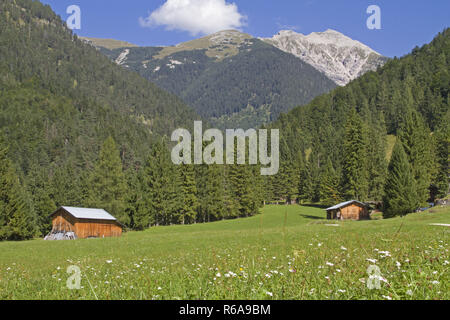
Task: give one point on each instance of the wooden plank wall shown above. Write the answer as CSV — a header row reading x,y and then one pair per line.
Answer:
x,y
97,228
354,212
85,228
63,221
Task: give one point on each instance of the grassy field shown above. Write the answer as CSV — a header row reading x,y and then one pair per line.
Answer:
x,y
287,252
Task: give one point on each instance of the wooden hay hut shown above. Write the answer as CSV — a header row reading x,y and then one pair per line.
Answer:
x,y
349,210
70,223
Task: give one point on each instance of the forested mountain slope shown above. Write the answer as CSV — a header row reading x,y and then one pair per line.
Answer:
x,y
61,98
78,130
228,77
335,147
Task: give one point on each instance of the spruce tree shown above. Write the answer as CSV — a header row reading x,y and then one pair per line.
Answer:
x,y
174,196
376,158
162,188
107,183
441,180
306,182
329,185
355,169
154,183
417,142
212,191
231,202
188,212
240,179
17,218
40,192
400,197
135,209
67,185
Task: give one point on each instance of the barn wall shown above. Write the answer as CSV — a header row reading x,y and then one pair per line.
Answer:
x,y
97,228
355,212
84,228
62,221
351,212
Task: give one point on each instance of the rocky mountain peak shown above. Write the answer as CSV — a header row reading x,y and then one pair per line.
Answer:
x,y
341,58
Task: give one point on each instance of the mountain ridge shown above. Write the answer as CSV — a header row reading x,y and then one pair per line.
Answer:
x,y
227,77
341,58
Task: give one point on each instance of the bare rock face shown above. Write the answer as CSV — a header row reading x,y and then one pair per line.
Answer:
x,y
341,58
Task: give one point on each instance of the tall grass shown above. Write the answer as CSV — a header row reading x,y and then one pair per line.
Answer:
x,y
287,252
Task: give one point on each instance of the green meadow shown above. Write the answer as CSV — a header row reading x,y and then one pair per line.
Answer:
x,y
286,252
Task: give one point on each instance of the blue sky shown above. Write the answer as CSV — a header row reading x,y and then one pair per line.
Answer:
x,y
404,23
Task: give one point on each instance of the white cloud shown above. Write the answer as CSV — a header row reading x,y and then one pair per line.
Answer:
x,y
196,16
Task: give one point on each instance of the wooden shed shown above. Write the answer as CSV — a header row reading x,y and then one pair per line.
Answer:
x,y
81,223
349,210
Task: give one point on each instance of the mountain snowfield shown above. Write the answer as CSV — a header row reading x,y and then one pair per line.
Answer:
x,y
341,58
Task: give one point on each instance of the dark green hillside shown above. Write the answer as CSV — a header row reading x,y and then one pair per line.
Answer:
x,y
65,97
247,89
78,130
60,99
408,97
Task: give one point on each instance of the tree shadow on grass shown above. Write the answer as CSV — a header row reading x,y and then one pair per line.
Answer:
x,y
314,205
312,217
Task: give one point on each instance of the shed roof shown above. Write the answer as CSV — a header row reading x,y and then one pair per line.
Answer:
x,y
346,203
86,213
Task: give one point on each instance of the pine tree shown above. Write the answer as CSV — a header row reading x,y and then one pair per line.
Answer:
x,y
240,181
188,213
416,140
400,193
154,182
40,192
231,202
376,158
329,185
22,224
162,189
355,169
441,180
67,187
211,192
174,196
108,185
135,209
17,218
306,181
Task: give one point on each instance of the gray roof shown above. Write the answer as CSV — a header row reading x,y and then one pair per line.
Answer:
x,y
344,204
85,213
